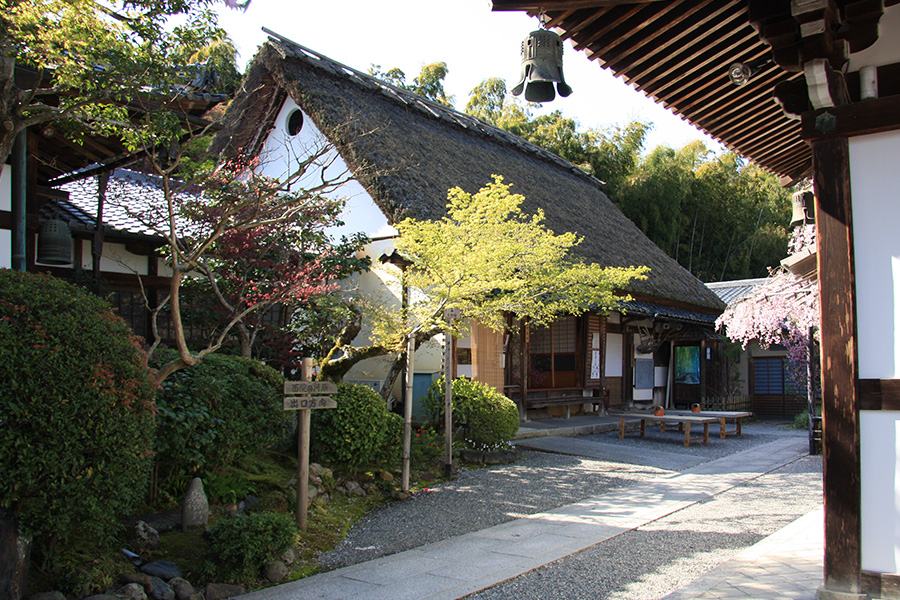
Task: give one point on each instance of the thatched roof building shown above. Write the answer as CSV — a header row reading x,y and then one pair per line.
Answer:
x,y
408,152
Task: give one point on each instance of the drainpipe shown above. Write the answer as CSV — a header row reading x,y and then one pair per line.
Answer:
x,y
18,202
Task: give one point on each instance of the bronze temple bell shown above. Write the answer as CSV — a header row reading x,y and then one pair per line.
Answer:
x,y
542,54
54,243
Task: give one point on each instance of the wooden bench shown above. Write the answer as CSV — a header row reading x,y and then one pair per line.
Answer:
x,y
684,420
567,402
721,415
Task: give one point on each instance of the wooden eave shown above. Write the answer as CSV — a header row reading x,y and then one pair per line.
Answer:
x,y
679,52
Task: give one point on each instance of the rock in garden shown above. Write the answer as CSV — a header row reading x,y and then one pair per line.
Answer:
x,y
398,495
315,469
471,456
194,507
386,476
289,556
353,487
161,590
164,569
131,591
221,591
48,596
142,579
427,476
251,502
276,571
494,458
100,597
182,588
146,536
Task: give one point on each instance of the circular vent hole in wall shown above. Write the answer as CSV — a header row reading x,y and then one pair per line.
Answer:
x,y
295,122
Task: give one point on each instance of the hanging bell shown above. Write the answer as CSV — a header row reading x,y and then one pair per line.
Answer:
x,y
804,208
54,243
542,54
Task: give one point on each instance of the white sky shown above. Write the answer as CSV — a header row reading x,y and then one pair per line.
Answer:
x,y
474,42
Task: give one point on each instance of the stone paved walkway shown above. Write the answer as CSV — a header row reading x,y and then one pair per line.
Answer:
x,y
465,564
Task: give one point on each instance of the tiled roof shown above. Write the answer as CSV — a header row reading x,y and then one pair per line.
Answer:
x,y
667,313
733,291
132,203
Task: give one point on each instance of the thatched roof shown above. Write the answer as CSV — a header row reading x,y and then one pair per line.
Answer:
x,y
408,152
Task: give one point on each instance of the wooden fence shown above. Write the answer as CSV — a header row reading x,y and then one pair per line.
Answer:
x,y
739,403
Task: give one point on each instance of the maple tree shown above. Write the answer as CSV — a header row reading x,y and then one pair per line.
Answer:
x,y
239,244
487,259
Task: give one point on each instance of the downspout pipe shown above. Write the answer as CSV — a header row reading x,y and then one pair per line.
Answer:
x,y
18,202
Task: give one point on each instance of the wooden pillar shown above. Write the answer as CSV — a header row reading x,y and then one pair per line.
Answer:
x,y
840,398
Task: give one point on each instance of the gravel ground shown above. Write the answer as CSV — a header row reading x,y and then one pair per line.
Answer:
x,y
652,561
643,564
481,498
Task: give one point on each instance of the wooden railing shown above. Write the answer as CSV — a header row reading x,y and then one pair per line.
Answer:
x,y
739,403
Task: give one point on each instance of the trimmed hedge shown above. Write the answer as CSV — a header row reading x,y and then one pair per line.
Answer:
x,y
76,428
213,414
359,433
488,418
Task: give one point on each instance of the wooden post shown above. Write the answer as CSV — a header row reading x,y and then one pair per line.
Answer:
x,y
407,410
303,454
840,398
810,392
523,371
448,404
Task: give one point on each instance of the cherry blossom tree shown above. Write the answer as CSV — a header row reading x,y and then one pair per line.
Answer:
x,y
784,310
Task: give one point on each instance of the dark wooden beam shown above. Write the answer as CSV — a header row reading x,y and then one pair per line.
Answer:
x,y
879,394
858,118
840,400
548,5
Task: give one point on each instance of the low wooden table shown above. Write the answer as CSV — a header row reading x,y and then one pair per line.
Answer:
x,y
683,420
721,415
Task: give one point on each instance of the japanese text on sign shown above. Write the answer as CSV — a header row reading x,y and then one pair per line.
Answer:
x,y
308,402
305,388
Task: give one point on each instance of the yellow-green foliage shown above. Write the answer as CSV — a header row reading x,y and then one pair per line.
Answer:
x,y
487,257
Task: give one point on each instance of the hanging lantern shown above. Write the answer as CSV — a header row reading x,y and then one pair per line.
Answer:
x,y
54,243
804,208
542,66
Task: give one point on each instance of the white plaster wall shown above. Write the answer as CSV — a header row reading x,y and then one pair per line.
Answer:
x,y
875,189
613,355
887,49
115,259
281,154
5,249
880,474
6,205
6,188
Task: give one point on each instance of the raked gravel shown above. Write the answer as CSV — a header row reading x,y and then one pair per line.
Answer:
x,y
654,560
660,553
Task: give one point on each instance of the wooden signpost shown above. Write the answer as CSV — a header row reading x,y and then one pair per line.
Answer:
x,y
304,396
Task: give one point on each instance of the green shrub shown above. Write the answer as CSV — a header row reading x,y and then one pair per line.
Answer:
x,y
213,414
241,545
76,427
359,433
488,418
801,421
